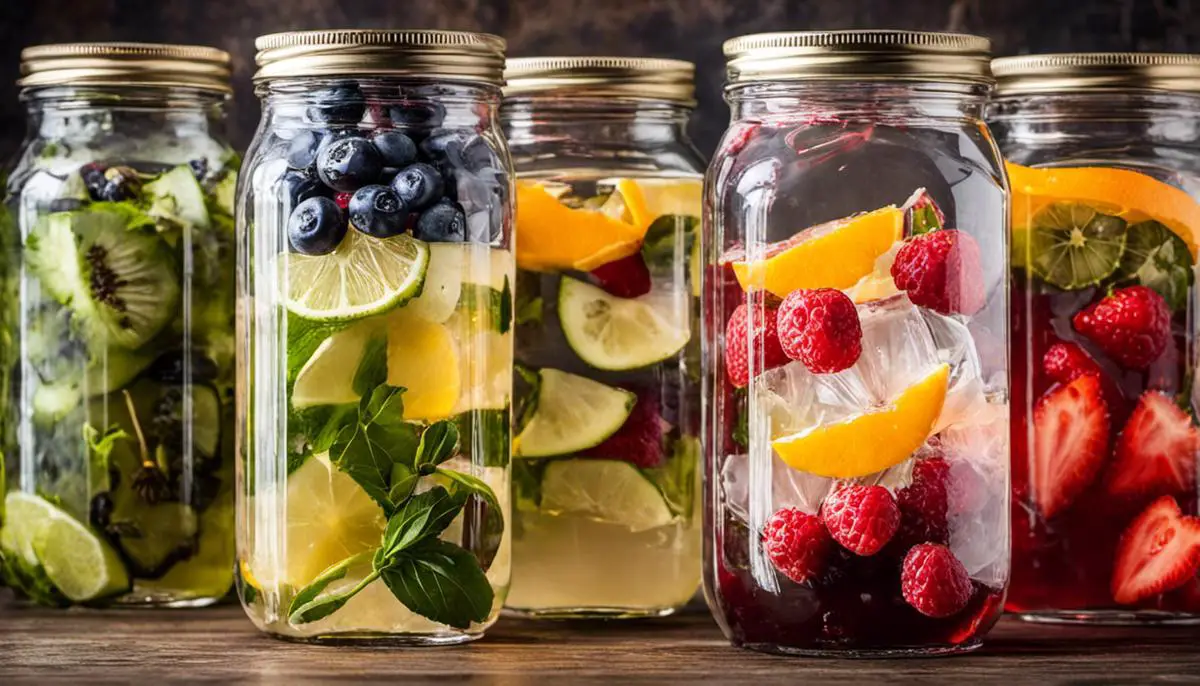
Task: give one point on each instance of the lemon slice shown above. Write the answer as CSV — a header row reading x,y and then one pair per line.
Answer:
x,y
613,333
364,276
872,441
423,358
573,413
649,199
327,378
606,490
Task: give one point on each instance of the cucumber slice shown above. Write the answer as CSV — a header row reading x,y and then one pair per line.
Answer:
x,y
176,196
50,240
606,490
613,333
573,413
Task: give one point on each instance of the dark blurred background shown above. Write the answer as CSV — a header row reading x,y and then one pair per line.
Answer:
x,y
687,29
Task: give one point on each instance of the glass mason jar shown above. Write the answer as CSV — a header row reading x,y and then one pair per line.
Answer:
x,y
856,314
606,471
1105,175
375,280
117,329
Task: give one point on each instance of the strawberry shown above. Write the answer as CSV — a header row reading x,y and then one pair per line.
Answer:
x,y
1133,325
763,341
628,277
934,582
1071,431
1160,551
1156,451
861,518
639,441
941,270
797,544
820,328
1065,362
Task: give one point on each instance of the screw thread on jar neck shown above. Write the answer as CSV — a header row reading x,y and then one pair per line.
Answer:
x,y
594,120
849,100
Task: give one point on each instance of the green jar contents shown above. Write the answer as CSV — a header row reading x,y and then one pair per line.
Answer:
x,y
117,348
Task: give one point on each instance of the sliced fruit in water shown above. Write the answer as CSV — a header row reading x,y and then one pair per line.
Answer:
x,y
328,378
832,255
573,413
649,199
1072,246
457,270
364,276
1160,551
77,561
1156,451
872,441
1157,258
614,333
606,490
423,358
176,196
1071,430
555,236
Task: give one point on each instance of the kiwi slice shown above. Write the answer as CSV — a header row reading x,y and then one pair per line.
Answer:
x,y
124,282
1072,245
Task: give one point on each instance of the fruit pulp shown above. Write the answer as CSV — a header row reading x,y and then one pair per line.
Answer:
x,y
387,368
605,300
125,406
921,413
1064,564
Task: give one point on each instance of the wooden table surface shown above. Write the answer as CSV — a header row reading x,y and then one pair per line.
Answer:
x,y
219,645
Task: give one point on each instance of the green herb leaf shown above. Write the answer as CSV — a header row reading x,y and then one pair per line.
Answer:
x,y
526,385
666,235
677,479
369,450
529,301
1159,259
372,368
404,480
439,442
309,605
303,339
487,433
441,582
527,484
478,300
101,446
422,516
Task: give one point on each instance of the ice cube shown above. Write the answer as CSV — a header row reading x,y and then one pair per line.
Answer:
x,y
789,487
955,343
978,514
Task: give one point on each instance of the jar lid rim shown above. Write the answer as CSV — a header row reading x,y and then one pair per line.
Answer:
x,y
425,54
650,78
125,64
873,53
1097,71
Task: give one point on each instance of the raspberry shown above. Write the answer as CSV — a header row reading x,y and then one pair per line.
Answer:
x,y
639,441
628,277
862,518
797,544
1065,362
821,329
342,199
764,341
1133,325
923,504
934,582
941,270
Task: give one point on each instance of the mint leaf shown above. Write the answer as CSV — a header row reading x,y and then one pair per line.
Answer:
x,y
496,305
404,480
372,368
1157,258
441,582
422,516
439,442
526,386
667,234
676,478
309,605
101,446
486,432
527,483
303,339
471,485
368,450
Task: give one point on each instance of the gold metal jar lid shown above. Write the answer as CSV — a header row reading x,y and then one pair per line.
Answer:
x,y
125,64
646,78
1096,71
866,54
432,55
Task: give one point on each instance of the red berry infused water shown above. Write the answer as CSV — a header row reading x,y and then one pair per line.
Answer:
x,y
855,323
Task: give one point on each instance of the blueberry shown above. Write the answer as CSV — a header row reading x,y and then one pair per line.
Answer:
x,y
378,211
480,191
170,367
302,150
349,164
396,149
100,510
442,223
341,103
316,226
93,178
462,148
419,186
300,187
122,183
199,168
420,114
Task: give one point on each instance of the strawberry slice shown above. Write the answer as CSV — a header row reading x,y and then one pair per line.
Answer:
x,y
1070,440
628,277
1159,552
1156,451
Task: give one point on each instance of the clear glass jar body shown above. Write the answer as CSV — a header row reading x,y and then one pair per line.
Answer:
x,y
908,410
357,364
1125,183
118,349
606,463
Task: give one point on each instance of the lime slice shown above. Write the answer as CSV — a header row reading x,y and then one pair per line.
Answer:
x,y
613,333
1073,246
363,277
573,413
79,563
607,490
328,376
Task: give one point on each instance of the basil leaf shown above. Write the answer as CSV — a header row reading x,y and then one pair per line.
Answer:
x,y
308,606
422,516
439,441
369,451
404,480
472,485
441,582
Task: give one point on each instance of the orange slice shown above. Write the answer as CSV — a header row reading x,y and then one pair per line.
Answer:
x,y
649,199
873,441
1133,196
551,236
832,255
